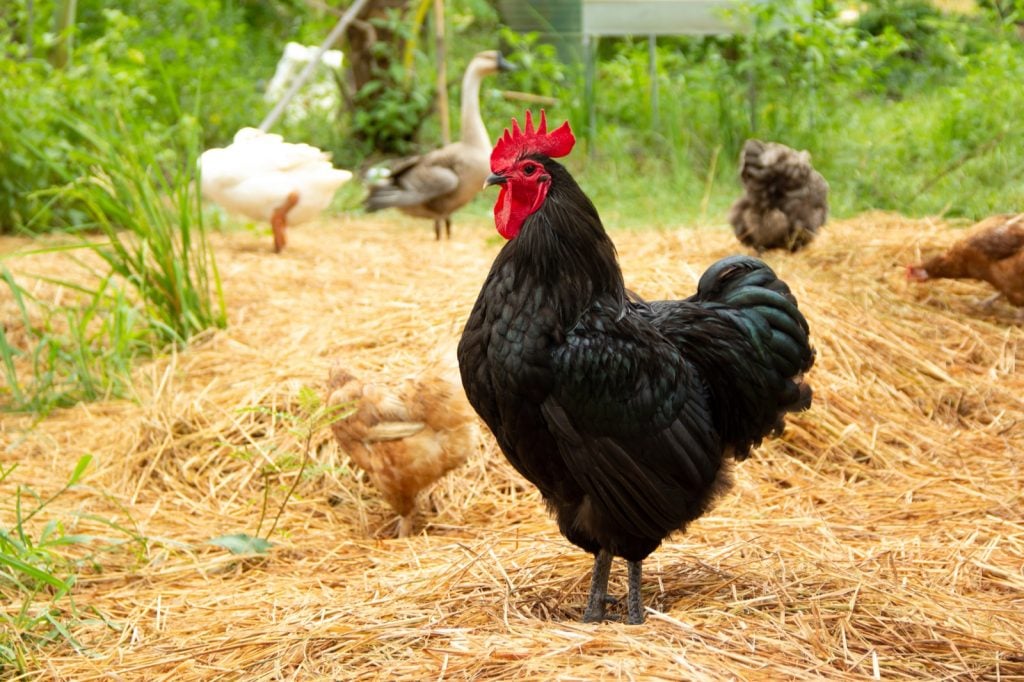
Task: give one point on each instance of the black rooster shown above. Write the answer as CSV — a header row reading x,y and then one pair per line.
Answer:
x,y
623,413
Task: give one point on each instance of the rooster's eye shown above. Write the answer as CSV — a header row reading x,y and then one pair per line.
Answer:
x,y
529,169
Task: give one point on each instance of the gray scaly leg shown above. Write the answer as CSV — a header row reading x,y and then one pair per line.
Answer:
x,y
634,603
598,588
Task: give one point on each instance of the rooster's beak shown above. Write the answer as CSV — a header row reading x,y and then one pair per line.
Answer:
x,y
495,179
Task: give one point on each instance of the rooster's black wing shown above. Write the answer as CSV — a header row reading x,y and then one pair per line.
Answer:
x,y
632,422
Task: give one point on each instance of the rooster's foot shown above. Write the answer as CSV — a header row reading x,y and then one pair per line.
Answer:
x,y
634,602
598,588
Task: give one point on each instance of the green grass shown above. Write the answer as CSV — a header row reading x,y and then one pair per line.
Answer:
x,y
79,350
146,207
158,283
38,570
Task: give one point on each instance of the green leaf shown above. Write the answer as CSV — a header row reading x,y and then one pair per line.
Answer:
x,y
76,475
35,573
241,543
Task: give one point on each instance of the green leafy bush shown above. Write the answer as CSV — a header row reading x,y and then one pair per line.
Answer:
x,y
36,146
387,112
149,61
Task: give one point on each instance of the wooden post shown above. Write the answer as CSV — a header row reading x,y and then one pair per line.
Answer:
x,y
590,88
652,68
30,21
64,30
442,72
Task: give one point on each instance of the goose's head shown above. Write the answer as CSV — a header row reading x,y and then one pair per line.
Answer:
x,y
490,61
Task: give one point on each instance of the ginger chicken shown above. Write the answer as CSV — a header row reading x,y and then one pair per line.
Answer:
x,y
785,202
625,414
993,252
405,435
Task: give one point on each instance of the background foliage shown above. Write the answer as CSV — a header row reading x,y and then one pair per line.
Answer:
x,y
905,107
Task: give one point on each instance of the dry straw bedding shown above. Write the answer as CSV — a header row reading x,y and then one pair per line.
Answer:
x,y
882,536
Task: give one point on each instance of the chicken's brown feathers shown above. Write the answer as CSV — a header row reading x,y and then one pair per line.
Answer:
x,y
405,434
998,237
993,252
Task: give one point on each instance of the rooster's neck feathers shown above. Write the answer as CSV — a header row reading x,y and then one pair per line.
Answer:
x,y
564,249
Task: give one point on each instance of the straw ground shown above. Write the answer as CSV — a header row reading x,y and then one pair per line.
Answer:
x,y
882,536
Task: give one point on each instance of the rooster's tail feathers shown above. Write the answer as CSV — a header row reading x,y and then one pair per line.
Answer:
x,y
768,383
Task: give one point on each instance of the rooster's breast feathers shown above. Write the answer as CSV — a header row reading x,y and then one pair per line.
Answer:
x,y
632,419
629,417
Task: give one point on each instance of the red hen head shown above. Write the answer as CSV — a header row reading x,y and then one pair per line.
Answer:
x,y
516,167
917,273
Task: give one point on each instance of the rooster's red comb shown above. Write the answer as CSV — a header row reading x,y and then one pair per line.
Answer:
x,y
519,143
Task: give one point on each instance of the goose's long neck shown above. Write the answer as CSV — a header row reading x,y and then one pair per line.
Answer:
x,y
473,131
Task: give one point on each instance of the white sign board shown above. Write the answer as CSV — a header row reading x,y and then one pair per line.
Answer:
x,y
660,17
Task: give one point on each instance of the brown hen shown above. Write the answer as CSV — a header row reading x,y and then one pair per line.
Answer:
x,y
993,252
405,435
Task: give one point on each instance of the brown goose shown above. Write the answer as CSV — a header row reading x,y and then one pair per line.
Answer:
x,y
436,184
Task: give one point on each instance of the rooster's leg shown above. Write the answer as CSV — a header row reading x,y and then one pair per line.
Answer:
x,y
437,229
405,525
598,588
634,603
279,220
448,227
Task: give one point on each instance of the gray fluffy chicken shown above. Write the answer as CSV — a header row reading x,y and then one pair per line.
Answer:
x,y
786,200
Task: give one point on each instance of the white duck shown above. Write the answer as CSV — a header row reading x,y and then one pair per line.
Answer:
x,y
265,178
438,183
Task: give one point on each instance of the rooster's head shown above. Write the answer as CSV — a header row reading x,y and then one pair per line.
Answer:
x,y
517,164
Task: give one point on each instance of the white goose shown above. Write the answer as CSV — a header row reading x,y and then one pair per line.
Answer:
x,y
438,183
261,176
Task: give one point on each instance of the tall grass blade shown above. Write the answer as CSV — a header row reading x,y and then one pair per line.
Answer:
x,y
83,464
36,574
144,204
